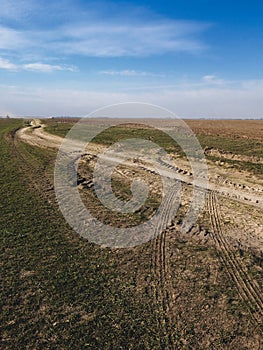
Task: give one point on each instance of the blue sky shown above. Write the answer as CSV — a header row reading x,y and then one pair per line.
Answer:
x,y
198,58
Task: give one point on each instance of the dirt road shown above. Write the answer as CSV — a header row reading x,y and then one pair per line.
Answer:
x,y
245,209
252,195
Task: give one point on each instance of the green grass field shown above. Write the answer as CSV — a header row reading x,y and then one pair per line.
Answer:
x,y
58,291
241,146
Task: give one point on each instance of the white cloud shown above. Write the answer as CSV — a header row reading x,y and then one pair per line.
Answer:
x,y
131,39
11,39
37,67
129,73
243,100
6,64
108,39
212,79
46,68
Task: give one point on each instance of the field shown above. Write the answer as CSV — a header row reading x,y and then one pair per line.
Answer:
x,y
199,290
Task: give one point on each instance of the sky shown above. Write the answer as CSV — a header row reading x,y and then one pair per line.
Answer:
x,y
200,59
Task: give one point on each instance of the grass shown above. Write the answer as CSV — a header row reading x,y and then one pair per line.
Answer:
x,y
118,133
121,187
241,146
61,292
256,169
58,128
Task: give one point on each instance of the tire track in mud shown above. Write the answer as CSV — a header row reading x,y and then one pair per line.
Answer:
x,y
247,288
162,290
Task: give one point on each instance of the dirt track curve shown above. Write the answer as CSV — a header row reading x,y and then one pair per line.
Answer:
x,y
161,289
244,194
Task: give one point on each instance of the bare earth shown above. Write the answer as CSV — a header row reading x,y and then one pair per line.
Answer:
x,y
239,193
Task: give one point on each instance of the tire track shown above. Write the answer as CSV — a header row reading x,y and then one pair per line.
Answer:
x,y
162,289
248,289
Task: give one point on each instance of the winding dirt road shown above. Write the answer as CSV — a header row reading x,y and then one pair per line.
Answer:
x,y
162,291
250,195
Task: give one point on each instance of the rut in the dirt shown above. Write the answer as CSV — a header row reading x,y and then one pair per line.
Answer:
x,y
162,290
248,289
